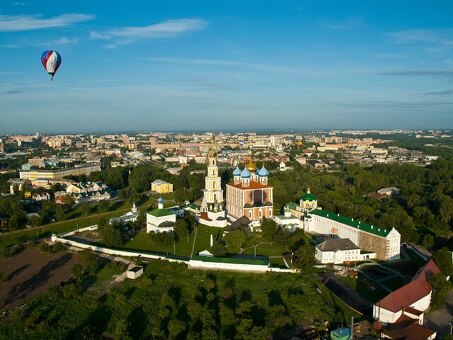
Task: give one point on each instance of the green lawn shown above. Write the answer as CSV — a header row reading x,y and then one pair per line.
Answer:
x,y
142,241
266,249
107,273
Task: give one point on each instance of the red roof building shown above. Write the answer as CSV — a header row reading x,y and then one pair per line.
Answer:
x,y
414,297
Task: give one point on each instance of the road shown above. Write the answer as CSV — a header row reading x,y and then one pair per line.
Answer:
x,y
346,294
439,319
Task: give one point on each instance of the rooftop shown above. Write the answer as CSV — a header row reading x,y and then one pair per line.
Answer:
x,y
160,212
337,244
308,197
351,222
415,290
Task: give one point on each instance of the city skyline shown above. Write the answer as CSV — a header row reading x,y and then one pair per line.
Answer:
x,y
227,66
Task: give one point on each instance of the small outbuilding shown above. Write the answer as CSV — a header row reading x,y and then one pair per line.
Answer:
x,y
134,272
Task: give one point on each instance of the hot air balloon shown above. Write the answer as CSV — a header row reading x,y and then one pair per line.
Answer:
x,y
51,61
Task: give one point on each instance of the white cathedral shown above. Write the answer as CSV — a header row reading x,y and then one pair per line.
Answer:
x,y
212,211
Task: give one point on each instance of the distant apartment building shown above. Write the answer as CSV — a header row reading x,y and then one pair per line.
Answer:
x,y
85,169
38,162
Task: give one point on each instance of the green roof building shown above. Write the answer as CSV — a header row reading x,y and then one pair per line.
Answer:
x,y
385,242
160,220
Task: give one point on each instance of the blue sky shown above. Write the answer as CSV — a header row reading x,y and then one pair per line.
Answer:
x,y
236,64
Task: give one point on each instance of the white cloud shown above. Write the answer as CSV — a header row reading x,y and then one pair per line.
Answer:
x,y
9,23
218,62
442,37
66,41
165,29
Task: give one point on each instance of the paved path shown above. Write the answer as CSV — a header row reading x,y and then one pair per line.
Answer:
x,y
194,240
346,294
439,319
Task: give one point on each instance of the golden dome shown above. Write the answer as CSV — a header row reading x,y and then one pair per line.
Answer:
x,y
251,166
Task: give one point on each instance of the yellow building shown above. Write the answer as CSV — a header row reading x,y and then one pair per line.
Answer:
x,y
161,186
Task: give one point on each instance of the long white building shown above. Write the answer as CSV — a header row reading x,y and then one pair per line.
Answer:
x,y
384,242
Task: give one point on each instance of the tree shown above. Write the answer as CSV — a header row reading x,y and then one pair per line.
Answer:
x,y
16,221
234,241
110,233
218,249
443,259
175,328
141,221
428,241
78,272
163,239
440,289
59,213
181,228
304,258
269,228
121,330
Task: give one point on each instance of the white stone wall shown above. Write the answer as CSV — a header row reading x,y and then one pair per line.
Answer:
x,y
150,228
228,266
114,252
293,222
385,315
422,304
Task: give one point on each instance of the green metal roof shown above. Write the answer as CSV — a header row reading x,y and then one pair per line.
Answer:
x,y
351,222
235,260
161,212
308,197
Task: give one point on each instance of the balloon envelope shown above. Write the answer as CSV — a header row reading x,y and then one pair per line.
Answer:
x,y
51,61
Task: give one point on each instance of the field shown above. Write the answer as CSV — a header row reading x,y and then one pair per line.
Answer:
x,y
31,272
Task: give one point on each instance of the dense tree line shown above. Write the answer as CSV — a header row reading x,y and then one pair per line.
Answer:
x,y
171,302
424,206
